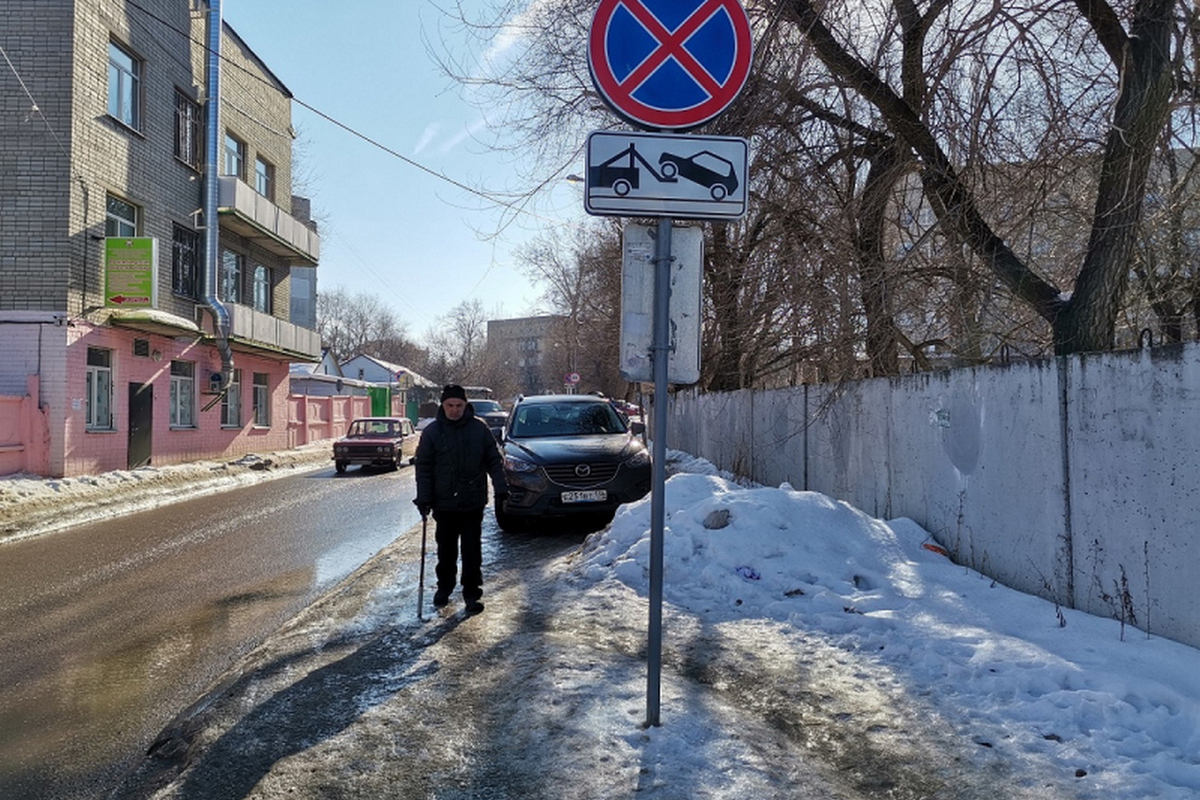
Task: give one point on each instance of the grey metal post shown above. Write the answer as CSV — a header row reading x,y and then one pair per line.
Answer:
x,y
660,352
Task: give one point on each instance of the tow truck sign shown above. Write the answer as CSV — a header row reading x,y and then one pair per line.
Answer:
x,y
664,175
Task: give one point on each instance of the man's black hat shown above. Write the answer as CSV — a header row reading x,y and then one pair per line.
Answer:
x,y
453,390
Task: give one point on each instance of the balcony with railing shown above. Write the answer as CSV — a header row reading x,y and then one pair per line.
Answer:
x,y
249,214
253,331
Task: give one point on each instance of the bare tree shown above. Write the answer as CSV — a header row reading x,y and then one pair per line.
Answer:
x,y
456,344
361,323
929,179
582,276
1140,62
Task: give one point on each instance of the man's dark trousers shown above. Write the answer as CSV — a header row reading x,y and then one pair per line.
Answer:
x,y
451,527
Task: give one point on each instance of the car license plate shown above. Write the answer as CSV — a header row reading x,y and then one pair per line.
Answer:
x,y
592,496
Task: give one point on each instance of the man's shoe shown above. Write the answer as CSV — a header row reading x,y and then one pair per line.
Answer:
x,y
440,599
474,606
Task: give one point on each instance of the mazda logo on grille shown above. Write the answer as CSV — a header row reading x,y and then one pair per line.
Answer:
x,y
583,470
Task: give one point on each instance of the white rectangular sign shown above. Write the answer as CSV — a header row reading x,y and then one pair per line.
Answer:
x,y
663,175
637,303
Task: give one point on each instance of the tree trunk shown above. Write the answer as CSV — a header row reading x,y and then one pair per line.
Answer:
x,y
724,279
1143,58
882,352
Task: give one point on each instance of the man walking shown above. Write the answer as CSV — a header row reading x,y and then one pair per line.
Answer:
x,y
456,454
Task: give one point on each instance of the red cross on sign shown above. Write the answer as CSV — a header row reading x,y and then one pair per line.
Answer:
x,y
669,64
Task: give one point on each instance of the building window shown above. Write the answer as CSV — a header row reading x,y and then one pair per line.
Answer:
x,y
185,262
231,276
187,130
262,289
262,400
231,403
124,86
183,394
99,389
264,178
121,218
235,156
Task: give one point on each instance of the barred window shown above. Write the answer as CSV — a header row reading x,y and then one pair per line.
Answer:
x,y
231,403
99,389
183,394
188,136
185,262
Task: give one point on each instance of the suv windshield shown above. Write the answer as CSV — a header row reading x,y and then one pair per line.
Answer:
x,y
565,419
486,406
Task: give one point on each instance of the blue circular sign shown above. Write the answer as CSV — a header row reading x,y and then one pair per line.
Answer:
x,y
669,64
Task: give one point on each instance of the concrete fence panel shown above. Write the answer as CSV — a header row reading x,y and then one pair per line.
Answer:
x,y
1072,478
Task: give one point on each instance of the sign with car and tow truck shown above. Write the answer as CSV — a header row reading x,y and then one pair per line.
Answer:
x,y
653,174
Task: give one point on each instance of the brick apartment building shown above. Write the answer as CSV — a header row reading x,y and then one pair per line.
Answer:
x,y
109,355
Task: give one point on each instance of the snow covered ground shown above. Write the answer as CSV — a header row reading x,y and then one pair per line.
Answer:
x,y
821,613
31,505
1047,691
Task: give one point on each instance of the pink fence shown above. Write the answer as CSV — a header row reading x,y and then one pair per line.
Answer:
x,y
312,418
24,432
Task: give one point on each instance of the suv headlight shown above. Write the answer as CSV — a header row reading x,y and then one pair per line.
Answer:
x,y
639,459
514,464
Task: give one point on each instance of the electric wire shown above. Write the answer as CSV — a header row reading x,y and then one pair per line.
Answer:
x,y
489,197
35,108
518,208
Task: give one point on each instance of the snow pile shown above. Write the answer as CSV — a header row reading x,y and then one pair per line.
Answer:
x,y
1035,684
32,505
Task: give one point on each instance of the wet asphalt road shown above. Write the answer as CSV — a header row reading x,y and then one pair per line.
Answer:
x,y
108,629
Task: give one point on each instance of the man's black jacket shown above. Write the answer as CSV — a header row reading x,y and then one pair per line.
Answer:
x,y
454,460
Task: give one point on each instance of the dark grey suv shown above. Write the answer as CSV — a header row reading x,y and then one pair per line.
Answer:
x,y
570,455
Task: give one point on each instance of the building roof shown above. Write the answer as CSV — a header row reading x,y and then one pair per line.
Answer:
x,y
394,369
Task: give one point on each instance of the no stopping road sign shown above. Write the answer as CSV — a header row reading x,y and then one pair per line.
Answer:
x,y
669,64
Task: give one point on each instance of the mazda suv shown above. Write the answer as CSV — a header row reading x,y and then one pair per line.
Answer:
x,y
570,456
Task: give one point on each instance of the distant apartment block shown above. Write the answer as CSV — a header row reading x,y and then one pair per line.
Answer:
x,y
524,348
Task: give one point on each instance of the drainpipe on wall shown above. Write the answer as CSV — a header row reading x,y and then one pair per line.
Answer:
x,y
212,229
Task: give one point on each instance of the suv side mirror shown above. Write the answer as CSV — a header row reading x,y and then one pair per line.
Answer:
x,y
637,428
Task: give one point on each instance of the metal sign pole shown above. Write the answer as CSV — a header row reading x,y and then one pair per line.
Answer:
x,y
660,351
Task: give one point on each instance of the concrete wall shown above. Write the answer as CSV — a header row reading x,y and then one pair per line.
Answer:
x,y
1073,479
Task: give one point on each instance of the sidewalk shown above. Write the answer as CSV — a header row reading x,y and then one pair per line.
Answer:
x,y
541,696
809,651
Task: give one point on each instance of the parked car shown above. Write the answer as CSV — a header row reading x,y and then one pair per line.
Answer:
x,y
626,408
705,168
377,442
570,455
492,413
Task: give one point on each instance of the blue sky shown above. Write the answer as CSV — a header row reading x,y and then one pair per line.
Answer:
x,y
391,228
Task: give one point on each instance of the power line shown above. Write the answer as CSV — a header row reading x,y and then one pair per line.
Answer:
x,y
34,108
491,198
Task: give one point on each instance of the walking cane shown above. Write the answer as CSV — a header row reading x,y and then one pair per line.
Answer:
x,y
421,580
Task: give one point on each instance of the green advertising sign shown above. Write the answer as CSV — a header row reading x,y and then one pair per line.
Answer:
x,y
130,272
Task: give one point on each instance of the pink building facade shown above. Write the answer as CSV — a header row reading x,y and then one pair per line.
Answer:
x,y
94,376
